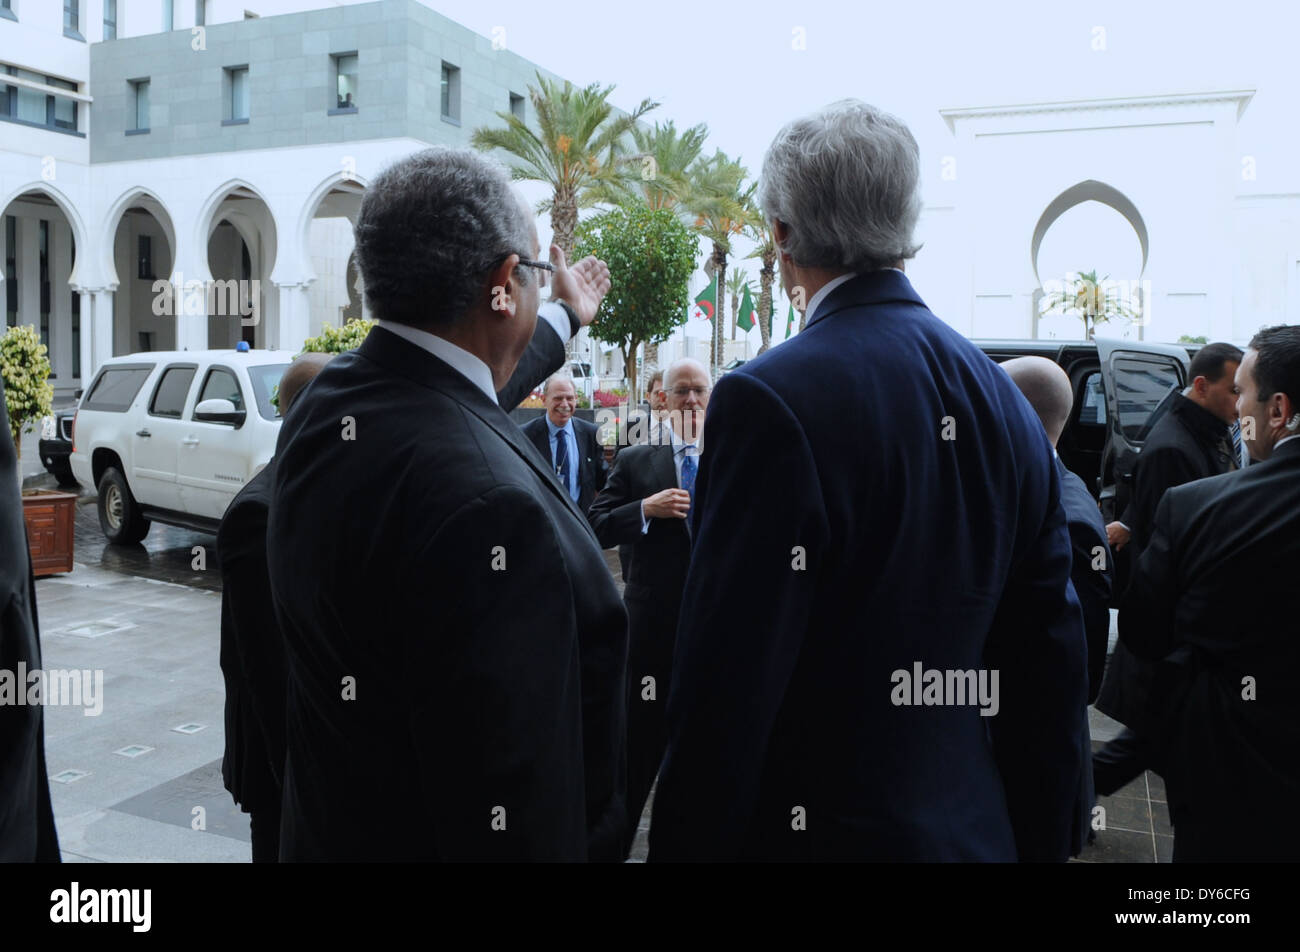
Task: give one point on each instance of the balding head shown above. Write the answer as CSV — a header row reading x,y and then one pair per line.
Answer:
x,y
1047,388
300,373
676,368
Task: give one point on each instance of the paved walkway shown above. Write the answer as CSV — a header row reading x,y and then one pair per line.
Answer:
x,y
142,780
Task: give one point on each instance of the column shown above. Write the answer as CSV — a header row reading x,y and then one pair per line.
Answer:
x,y
291,328
28,269
61,303
96,331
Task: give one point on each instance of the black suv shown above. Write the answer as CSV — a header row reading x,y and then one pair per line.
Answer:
x,y
1121,388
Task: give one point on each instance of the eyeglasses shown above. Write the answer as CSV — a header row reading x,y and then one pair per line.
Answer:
x,y
681,393
542,266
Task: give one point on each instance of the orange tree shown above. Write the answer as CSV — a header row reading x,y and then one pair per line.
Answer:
x,y
651,255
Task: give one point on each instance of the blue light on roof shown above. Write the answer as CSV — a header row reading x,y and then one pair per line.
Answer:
x,y
242,347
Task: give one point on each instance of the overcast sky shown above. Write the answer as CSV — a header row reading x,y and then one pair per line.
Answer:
x,y
738,69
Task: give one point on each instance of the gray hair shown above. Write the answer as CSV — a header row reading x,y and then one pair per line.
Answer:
x,y
845,181
562,376
431,226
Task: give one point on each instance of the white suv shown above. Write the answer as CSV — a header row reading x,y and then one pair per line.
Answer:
x,y
172,436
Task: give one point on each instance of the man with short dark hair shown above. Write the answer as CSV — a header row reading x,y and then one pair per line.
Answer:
x,y
456,644
1212,601
252,648
1191,441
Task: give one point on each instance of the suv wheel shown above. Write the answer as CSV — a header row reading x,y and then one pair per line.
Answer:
x,y
119,513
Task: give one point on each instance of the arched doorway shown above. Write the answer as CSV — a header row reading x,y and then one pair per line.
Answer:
x,y
331,215
41,242
240,244
1091,228
142,245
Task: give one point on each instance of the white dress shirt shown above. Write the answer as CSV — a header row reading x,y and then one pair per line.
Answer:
x,y
567,434
461,360
680,451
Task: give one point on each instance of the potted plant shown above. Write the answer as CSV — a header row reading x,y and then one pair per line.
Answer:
x,y
26,371
28,395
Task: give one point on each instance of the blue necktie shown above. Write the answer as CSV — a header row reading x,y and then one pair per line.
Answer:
x,y
1236,444
562,460
688,476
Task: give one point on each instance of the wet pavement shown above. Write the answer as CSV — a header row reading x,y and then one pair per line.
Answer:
x,y
167,554
170,677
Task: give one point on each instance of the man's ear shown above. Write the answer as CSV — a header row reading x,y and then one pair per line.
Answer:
x,y
503,288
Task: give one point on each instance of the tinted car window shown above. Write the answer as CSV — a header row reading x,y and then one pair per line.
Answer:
x,y
1092,402
222,385
266,377
117,387
1140,387
169,396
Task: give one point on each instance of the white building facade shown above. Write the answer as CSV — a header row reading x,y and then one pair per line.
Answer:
x,y
185,175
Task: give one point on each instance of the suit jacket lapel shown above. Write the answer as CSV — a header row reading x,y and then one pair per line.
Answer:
x,y
541,437
422,367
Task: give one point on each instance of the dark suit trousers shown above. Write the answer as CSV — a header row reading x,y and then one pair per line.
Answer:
x,y
264,828
652,631
1120,762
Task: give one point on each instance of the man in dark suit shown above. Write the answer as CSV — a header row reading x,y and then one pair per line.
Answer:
x,y
645,506
1192,441
252,648
27,832
919,529
1047,388
569,444
1212,601
456,644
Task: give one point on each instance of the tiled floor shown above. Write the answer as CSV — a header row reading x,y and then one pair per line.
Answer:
x,y
150,621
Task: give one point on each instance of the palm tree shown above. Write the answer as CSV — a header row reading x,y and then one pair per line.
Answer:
x,y
720,200
1085,297
657,172
575,150
760,232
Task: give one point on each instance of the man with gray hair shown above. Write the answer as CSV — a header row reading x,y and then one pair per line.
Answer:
x,y
646,506
456,644
567,443
920,527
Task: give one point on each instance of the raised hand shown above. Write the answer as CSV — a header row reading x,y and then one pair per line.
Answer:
x,y
583,286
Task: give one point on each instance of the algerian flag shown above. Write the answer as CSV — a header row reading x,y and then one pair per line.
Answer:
x,y
789,321
707,300
745,320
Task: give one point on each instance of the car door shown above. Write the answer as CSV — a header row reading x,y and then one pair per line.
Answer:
x,y
1140,380
154,443
213,457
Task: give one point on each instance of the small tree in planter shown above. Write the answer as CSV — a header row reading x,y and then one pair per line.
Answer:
x,y
26,372
332,340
